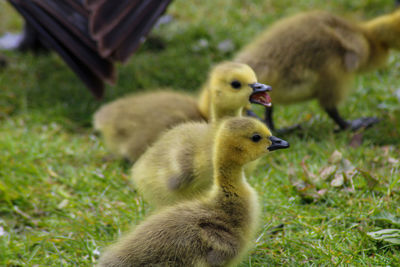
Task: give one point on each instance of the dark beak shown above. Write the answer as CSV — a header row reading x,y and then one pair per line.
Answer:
x,y
260,95
260,87
277,143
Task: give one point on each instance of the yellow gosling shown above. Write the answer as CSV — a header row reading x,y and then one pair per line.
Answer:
x,y
130,124
215,230
178,165
316,55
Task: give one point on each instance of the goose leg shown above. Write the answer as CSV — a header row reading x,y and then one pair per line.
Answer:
x,y
268,118
353,125
252,114
270,123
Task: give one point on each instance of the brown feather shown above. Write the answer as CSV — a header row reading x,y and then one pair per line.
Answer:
x,y
95,32
85,74
134,40
66,15
107,16
99,66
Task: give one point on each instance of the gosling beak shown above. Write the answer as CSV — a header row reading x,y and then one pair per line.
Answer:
x,y
260,95
277,143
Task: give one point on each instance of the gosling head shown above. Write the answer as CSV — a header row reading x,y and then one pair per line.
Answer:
x,y
395,17
386,29
232,85
243,139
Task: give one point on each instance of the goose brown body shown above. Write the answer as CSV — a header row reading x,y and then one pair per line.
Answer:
x,y
316,55
214,230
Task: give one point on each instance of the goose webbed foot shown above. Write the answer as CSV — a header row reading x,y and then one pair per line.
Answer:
x,y
353,125
289,129
360,123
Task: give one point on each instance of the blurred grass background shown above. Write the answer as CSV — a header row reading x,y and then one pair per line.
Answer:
x,y
62,199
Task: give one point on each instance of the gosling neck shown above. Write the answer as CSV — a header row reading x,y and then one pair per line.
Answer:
x,y
381,29
204,102
379,34
227,173
233,195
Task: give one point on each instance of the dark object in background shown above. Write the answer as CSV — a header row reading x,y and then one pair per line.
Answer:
x,y
31,41
3,62
89,35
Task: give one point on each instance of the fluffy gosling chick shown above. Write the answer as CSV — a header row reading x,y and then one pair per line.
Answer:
x,y
130,124
215,230
178,165
316,55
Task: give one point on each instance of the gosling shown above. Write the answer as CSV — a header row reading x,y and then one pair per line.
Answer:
x,y
215,230
316,55
178,165
130,124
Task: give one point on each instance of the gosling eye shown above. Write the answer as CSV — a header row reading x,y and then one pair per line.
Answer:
x,y
255,138
236,84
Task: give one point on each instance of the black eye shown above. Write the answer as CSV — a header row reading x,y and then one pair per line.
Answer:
x,y
255,138
236,84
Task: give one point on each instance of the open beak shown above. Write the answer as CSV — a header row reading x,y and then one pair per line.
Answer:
x,y
260,95
277,143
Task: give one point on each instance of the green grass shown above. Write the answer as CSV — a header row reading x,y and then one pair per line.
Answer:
x,y
62,199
